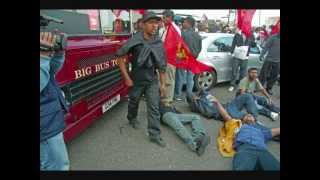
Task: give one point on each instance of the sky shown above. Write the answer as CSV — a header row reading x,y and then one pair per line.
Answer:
x,y
217,14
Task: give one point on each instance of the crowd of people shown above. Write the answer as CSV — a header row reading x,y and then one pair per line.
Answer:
x,y
242,136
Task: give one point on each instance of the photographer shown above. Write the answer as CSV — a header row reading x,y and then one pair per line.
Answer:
x,y
53,152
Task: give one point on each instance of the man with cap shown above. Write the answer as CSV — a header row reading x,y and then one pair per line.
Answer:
x,y
168,16
148,59
194,42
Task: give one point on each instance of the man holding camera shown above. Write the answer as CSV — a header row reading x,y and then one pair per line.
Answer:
x,y
53,152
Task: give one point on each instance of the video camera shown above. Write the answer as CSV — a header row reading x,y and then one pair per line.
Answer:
x,y
61,39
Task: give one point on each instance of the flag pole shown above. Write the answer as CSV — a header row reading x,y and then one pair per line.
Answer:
x,y
131,21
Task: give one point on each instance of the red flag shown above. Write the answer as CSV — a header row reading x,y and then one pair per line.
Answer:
x,y
244,21
117,12
276,28
178,53
141,11
93,19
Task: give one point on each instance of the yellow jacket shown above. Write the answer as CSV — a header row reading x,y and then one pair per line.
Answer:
x,y
226,137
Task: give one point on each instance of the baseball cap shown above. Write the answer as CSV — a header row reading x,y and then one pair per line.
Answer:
x,y
150,15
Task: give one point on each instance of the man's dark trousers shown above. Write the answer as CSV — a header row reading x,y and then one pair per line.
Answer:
x,y
236,64
151,92
269,73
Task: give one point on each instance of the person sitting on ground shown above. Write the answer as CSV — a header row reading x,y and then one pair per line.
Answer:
x,y
251,85
203,104
249,141
198,140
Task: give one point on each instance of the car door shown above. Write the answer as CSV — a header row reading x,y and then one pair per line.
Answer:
x,y
219,57
253,60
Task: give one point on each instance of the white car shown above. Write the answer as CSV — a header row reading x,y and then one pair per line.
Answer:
x,y
216,54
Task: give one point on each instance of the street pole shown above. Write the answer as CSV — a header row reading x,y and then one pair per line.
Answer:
x,y
235,17
259,18
131,21
100,20
229,16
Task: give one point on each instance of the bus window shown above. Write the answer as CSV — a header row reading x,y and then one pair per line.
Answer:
x,y
115,21
76,22
93,21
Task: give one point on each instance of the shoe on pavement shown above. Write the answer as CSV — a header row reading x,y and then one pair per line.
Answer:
x,y
270,91
178,99
231,88
193,146
276,138
274,116
135,125
158,141
204,141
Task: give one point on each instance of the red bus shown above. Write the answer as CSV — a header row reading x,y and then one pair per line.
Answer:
x,y
90,77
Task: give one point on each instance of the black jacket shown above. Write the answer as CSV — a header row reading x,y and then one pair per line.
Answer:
x,y
239,41
272,48
147,57
193,41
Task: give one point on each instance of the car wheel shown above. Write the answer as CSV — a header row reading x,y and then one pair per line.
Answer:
x,y
205,80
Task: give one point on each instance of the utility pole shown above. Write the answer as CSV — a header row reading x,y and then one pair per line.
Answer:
x,y
235,17
229,16
259,18
131,21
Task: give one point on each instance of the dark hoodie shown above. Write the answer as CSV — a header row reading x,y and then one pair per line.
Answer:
x,y
147,57
272,48
193,41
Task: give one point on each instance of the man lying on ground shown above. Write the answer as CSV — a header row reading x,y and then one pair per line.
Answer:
x,y
203,104
198,140
251,85
249,141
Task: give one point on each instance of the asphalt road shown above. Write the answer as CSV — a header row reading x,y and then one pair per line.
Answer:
x,y
110,144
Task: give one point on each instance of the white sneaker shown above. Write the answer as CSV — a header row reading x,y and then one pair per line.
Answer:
x,y
274,116
231,88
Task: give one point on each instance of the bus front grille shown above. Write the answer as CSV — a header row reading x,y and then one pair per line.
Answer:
x,y
89,86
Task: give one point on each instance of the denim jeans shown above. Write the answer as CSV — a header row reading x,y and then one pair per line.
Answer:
x,y
249,158
53,154
234,108
177,121
264,107
238,63
181,76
